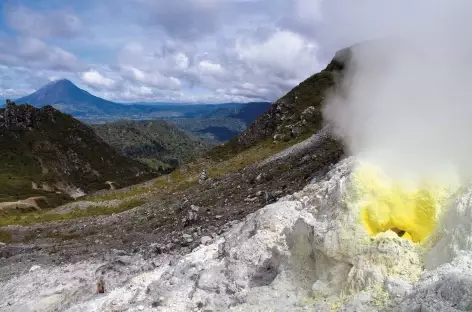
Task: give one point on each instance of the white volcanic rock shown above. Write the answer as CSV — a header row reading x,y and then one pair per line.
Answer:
x,y
307,252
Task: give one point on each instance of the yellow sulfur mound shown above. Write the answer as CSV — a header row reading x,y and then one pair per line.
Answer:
x,y
411,212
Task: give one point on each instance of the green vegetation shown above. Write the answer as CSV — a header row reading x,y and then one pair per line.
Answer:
x,y
118,194
156,164
238,153
48,147
64,236
156,143
15,217
296,115
215,130
189,175
5,237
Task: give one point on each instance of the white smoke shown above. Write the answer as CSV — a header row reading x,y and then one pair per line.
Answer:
x,y
405,102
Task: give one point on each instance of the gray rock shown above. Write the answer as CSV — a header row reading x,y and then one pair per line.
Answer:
x,y
259,177
269,261
34,268
205,240
203,177
250,199
397,287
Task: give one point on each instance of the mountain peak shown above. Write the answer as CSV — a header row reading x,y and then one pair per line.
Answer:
x,y
61,92
61,83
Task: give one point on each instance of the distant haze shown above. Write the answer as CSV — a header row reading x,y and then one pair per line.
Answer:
x,y
405,102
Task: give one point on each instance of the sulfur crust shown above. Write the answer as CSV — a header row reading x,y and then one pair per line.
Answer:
x,y
411,211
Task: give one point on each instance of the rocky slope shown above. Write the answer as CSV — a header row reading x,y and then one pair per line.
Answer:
x,y
306,252
296,115
301,230
43,151
152,142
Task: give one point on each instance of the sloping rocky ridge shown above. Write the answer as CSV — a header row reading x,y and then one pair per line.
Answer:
x,y
296,114
44,151
306,252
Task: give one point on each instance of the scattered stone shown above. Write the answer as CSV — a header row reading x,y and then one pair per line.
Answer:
x,y
205,240
188,238
203,177
34,268
158,302
157,248
218,217
191,217
101,286
111,185
259,193
397,287
259,178
306,158
140,307
250,199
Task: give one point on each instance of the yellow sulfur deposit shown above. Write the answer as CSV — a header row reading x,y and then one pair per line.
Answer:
x,y
410,211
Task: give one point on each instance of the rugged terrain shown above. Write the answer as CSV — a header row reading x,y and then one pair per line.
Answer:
x,y
155,143
278,219
176,217
306,251
166,217
293,117
44,151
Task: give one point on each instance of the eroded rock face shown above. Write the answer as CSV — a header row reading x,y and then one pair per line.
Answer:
x,y
306,252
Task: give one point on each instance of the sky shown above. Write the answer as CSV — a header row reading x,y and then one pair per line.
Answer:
x,y
175,51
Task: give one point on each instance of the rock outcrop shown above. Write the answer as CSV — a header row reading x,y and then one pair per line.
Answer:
x,y
306,252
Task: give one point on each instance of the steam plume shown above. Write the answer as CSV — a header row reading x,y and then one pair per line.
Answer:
x,y
405,102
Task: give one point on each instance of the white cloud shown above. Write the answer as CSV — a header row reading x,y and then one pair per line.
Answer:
x,y
208,67
181,60
94,78
283,51
308,11
43,25
153,79
223,50
34,53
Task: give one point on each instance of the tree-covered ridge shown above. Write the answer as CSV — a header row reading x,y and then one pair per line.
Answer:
x,y
156,143
44,152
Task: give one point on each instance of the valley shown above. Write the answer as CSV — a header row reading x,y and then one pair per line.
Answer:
x,y
214,123
211,190
240,156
